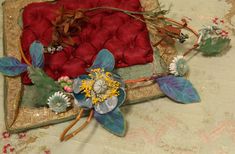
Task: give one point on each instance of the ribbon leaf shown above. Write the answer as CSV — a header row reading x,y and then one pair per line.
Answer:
x,y
104,60
36,53
113,122
213,46
178,89
45,85
11,66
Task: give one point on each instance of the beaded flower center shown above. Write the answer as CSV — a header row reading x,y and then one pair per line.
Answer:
x,y
100,87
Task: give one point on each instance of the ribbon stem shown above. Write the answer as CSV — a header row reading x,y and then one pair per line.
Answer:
x,y
65,137
23,55
184,26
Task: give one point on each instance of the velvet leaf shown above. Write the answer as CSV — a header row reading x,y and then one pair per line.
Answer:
x,y
36,52
45,85
178,89
11,66
214,46
105,60
113,121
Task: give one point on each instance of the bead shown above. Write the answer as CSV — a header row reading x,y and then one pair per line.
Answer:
x,y
53,49
49,49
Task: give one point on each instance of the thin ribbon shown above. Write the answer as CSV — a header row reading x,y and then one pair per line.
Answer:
x,y
183,25
23,55
65,137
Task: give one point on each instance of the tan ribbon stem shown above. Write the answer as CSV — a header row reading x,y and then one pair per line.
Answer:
x,y
23,55
65,137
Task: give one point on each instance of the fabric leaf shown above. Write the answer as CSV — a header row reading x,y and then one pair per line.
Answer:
x,y
213,46
113,121
11,66
45,85
36,52
178,89
105,60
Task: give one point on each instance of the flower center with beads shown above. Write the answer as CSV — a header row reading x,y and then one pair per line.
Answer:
x,y
100,87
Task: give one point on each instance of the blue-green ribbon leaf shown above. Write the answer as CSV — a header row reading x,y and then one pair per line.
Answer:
x,y
36,53
11,66
113,121
105,60
213,46
178,89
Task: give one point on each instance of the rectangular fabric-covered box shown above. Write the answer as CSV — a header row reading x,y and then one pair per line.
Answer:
x,y
130,41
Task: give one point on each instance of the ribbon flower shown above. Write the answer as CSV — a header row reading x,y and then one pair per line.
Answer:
x,y
99,90
102,92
